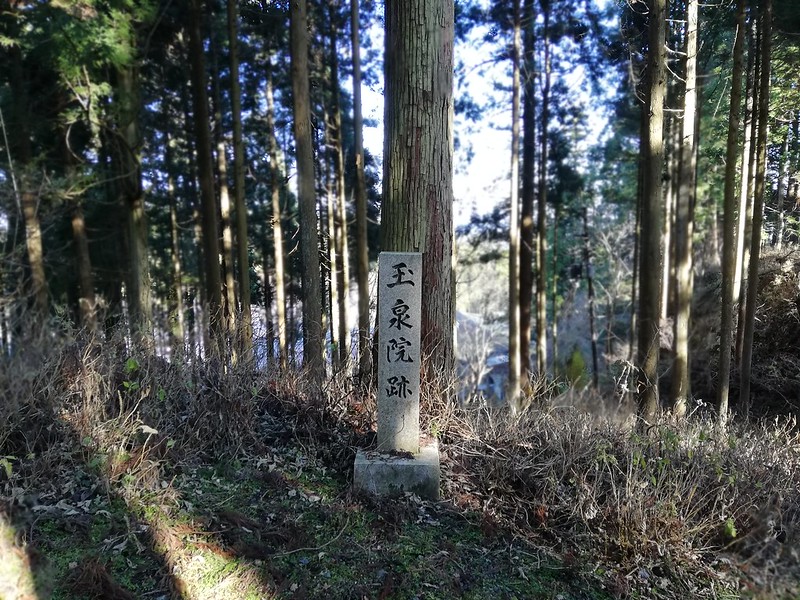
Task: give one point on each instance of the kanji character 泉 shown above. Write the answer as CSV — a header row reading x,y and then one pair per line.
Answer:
x,y
401,316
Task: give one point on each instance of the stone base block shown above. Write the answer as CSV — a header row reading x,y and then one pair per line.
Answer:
x,y
383,474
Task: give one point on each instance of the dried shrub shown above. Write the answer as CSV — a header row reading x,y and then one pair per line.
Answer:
x,y
678,503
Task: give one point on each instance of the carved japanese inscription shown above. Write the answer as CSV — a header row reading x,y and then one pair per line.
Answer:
x,y
399,323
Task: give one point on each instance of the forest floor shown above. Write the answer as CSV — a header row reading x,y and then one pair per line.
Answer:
x,y
87,519
278,525
126,476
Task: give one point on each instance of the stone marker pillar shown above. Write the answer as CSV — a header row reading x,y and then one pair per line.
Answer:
x,y
399,323
399,464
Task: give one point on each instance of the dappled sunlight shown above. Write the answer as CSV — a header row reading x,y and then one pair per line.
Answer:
x,y
17,581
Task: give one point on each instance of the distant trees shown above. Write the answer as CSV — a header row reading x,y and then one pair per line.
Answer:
x,y
743,181
113,190
205,174
133,174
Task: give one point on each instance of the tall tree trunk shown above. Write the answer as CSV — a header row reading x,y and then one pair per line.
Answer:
x,y
362,262
205,173
80,242
554,293
515,351
791,159
269,327
745,221
129,173
329,237
741,296
669,198
246,321
684,223
276,184
587,258
672,159
33,242
783,184
417,210
341,237
86,301
633,331
729,221
27,199
229,285
176,326
650,254
526,255
313,358
748,156
541,211
758,208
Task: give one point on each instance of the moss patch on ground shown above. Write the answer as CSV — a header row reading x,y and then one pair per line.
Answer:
x,y
280,525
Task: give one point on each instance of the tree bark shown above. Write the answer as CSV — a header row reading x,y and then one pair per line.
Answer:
x,y
313,358
242,246
515,350
27,200
340,221
526,255
176,326
783,184
748,155
587,258
417,210
729,221
269,327
790,162
758,208
554,289
670,160
129,172
276,184
86,300
650,253
229,284
329,238
541,210
362,261
684,223
205,173
744,232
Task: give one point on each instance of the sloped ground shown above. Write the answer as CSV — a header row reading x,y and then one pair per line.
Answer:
x,y
775,384
126,477
277,524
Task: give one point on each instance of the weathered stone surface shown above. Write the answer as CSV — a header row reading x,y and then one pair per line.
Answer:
x,y
383,474
399,324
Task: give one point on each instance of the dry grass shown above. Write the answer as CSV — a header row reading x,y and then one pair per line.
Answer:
x,y
677,510
669,511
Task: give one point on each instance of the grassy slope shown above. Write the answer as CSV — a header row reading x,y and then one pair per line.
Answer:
x,y
275,526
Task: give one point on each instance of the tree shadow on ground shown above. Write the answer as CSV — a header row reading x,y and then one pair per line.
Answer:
x,y
124,480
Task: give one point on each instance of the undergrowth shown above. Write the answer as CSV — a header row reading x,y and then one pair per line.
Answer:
x,y
679,509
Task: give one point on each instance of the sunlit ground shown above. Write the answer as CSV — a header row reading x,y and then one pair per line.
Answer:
x,y
16,578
